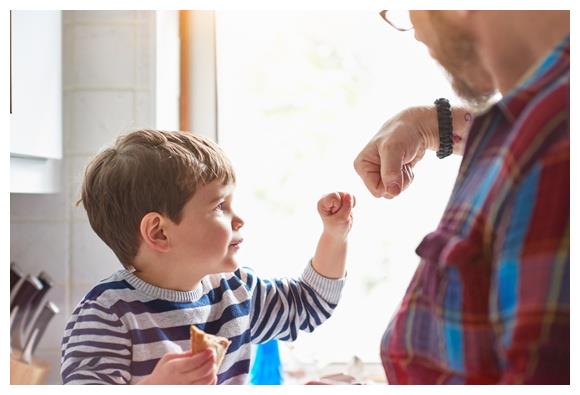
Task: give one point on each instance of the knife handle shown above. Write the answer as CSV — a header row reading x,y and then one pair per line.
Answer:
x,y
36,305
17,277
16,274
48,311
26,293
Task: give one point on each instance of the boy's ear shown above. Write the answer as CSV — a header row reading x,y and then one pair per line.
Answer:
x,y
153,232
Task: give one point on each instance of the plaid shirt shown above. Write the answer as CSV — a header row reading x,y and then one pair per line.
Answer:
x,y
490,300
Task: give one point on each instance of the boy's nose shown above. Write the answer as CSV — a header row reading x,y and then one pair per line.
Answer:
x,y
237,223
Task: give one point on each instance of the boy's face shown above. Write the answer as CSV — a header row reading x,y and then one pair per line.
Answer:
x,y
208,236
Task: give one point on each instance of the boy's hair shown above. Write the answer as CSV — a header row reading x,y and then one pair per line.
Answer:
x,y
145,171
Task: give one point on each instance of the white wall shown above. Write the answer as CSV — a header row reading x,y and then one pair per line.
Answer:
x,y
108,88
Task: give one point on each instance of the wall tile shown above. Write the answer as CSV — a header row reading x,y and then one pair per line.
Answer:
x,y
68,39
36,246
68,107
145,110
145,55
91,259
75,174
105,17
38,207
68,17
103,56
98,118
145,17
109,85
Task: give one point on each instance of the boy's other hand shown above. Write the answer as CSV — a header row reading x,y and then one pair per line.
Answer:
x,y
184,368
335,209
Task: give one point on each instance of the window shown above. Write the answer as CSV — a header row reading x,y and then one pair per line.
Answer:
x,y
299,94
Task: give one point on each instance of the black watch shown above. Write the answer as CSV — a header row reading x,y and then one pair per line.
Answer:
x,y
445,123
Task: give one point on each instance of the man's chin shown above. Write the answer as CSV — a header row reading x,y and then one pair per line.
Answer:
x,y
476,100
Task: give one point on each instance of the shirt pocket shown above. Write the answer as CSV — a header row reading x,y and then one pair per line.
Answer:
x,y
460,276
457,274
448,249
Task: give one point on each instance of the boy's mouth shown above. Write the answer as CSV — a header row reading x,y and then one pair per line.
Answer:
x,y
236,243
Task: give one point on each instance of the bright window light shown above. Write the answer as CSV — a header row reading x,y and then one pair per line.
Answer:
x,y
299,95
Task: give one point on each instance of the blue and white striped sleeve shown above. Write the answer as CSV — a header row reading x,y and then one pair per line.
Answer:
x,y
280,307
96,347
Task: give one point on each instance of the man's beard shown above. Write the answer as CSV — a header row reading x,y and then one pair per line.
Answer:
x,y
478,101
456,54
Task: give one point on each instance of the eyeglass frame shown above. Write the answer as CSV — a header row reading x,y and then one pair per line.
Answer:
x,y
383,15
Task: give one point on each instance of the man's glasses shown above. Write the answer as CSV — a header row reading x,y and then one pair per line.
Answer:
x,y
400,20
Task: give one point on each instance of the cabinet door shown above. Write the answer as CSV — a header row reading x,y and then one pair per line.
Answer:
x,y
36,101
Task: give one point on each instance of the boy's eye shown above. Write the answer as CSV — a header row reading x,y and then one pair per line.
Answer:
x,y
220,207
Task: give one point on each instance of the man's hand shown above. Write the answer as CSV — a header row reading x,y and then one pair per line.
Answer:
x,y
386,163
184,368
335,209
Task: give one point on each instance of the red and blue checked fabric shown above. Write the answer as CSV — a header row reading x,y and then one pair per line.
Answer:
x,y
490,300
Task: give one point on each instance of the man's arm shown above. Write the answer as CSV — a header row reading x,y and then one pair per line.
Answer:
x,y
386,163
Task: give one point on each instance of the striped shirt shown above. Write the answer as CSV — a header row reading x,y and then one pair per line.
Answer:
x,y
123,326
490,300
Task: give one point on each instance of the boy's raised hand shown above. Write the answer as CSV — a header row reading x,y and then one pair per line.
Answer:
x,y
184,368
335,209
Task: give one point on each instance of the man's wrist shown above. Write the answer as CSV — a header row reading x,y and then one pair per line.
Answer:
x,y
462,120
423,119
428,127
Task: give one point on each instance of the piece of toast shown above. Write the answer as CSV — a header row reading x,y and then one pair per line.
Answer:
x,y
201,340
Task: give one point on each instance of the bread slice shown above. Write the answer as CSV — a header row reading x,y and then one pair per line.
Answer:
x,y
201,340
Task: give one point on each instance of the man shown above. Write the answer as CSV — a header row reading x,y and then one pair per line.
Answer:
x,y
490,300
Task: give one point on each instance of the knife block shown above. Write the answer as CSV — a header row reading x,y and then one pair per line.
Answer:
x,y
27,373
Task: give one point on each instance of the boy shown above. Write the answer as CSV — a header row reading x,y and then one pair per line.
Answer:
x,y
162,201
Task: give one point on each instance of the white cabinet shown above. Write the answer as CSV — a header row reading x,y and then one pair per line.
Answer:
x,y
36,101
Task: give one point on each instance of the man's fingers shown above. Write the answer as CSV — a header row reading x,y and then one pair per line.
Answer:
x,y
392,159
374,183
407,176
391,176
369,169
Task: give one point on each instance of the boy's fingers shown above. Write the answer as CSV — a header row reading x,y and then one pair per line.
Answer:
x,y
197,361
204,374
348,202
330,203
348,198
170,356
208,379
